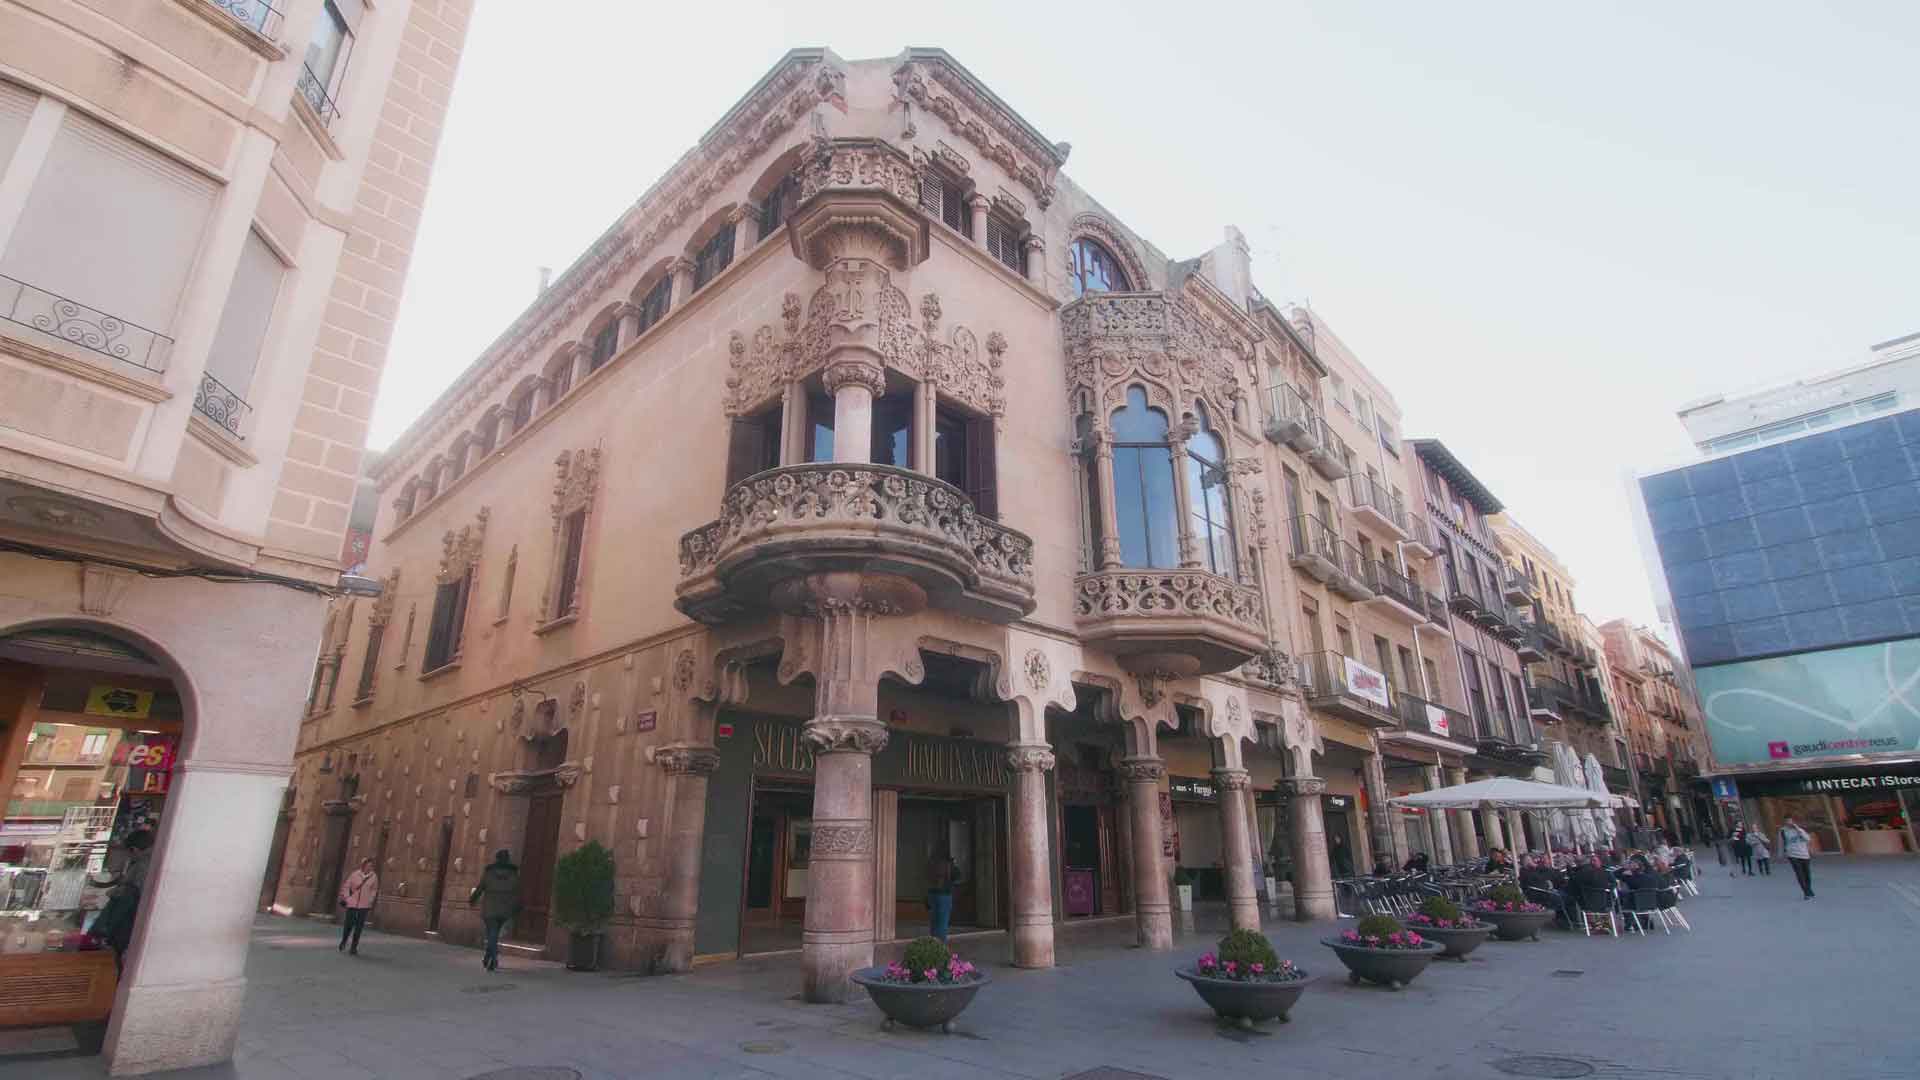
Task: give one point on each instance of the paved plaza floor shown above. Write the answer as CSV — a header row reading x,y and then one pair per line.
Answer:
x,y
1766,986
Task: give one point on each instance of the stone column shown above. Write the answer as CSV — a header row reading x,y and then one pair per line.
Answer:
x,y
793,425
886,865
629,326
1312,875
1182,498
1437,822
746,228
682,270
1031,919
1034,250
1516,832
179,1001
688,765
1243,906
854,383
977,205
1490,824
925,419
1465,844
1101,438
1379,817
1152,912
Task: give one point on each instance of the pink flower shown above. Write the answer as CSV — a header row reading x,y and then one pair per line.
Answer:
x,y
931,975
1207,962
1373,940
1258,969
1350,936
1413,938
1231,966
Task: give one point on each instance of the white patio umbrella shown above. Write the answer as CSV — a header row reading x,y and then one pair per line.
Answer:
x,y
1560,830
1507,793
1597,782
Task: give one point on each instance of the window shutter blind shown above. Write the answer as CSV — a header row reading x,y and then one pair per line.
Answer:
x,y
746,449
112,225
982,485
16,106
931,194
236,348
440,629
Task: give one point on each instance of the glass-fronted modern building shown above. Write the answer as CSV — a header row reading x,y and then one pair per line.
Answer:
x,y
1788,562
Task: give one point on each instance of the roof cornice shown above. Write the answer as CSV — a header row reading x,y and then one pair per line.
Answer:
x,y
1435,453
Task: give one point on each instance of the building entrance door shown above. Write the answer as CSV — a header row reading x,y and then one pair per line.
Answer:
x,y
536,867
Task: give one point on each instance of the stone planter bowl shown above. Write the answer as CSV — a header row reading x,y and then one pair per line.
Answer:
x,y
920,1005
1391,968
1514,925
1457,941
1245,1003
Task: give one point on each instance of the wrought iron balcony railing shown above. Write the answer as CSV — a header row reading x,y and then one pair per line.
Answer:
x,y
77,324
1424,717
256,15
314,89
221,405
1345,686
1519,590
1291,419
1390,584
1378,503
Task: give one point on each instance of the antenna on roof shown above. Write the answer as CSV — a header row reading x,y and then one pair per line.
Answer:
x,y
546,279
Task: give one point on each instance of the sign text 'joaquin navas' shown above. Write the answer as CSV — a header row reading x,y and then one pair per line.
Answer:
x,y
908,759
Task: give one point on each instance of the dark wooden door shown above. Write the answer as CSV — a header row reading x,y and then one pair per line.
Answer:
x,y
333,862
536,868
439,893
1111,875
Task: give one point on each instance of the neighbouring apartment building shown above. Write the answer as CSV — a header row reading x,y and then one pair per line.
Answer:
x,y
206,211
869,494
1665,738
1789,561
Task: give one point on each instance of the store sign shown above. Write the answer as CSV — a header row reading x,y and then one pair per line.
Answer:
x,y
1799,708
1904,776
148,760
119,701
1192,787
1726,787
1365,683
1437,720
907,759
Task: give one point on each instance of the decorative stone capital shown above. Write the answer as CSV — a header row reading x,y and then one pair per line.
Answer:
x,y
1232,779
687,759
854,372
979,202
680,265
1303,787
845,736
1142,770
743,212
1022,757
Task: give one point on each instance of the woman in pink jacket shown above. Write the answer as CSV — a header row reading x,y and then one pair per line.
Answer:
x,y
357,895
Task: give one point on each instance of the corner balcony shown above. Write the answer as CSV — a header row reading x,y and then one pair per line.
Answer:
x,y
1396,596
1328,454
1180,622
1373,503
1348,688
1430,724
830,517
1291,419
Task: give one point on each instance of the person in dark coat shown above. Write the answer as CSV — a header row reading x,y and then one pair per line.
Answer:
x,y
1743,851
498,895
1590,877
1417,863
114,925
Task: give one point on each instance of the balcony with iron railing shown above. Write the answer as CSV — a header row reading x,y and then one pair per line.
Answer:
x,y
1292,420
1518,589
1432,720
313,90
221,405
1465,594
256,15
1396,595
1685,768
1328,454
38,317
1619,781
1531,647
1315,549
1374,503
1550,697
1419,542
1352,582
1348,688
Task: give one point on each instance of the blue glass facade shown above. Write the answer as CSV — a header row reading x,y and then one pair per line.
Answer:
x,y
1808,544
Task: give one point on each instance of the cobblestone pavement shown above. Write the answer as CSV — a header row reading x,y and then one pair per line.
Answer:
x,y
1766,986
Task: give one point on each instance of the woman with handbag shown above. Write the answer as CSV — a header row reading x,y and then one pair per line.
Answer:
x,y
357,895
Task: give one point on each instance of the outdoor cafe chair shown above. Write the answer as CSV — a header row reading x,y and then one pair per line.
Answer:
x,y
1668,905
1643,910
1602,907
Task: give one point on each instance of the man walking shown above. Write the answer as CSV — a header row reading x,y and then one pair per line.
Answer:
x,y
942,876
357,895
498,895
1797,846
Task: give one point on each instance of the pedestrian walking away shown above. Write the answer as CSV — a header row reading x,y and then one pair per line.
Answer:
x,y
1743,852
1762,854
498,895
357,895
942,876
1797,846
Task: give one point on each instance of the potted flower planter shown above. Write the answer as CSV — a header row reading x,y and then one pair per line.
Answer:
x,y
583,901
583,952
906,996
1457,941
1391,968
1246,983
1245,1003
1515,925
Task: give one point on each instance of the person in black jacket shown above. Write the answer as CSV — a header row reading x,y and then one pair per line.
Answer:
x,y
1590,877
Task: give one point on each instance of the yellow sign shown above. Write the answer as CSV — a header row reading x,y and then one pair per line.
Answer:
x,y
119,701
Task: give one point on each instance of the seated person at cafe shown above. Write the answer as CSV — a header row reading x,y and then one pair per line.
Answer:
x,y
1543,884
1416,863
1590,877
1498,860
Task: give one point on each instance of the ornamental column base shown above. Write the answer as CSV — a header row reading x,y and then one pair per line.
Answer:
x,y
838,939
1312,873
1031,920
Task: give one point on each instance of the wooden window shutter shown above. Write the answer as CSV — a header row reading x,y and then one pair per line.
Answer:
x,y
932,193
982,486
746,449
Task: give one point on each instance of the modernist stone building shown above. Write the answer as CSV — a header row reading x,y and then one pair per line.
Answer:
x,y
870,493
206,212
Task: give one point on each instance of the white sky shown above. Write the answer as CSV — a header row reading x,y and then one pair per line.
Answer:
x,y
1542,228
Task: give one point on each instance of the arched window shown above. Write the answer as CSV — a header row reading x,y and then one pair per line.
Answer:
x,y
1144,513
1095,269
1209,506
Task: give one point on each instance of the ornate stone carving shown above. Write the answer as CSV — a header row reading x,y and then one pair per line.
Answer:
x,y
996,134
1152,687
1160,341
1232,779
806,79
1039,670
382,610
858,163
567,773
837,736
461,549
930,312
854,373
837,841
1021,758
687,759
1156,593
576,476
1142,770
576,701
1271,666
683,666
1303,787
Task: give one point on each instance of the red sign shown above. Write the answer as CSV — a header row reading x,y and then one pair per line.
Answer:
x,y
149,763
